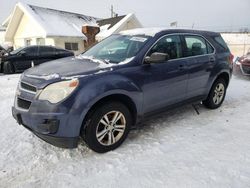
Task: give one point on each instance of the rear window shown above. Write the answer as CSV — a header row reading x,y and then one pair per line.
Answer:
x,y
221,43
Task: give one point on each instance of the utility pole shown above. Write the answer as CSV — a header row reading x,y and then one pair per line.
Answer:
x,y
193,26
112,11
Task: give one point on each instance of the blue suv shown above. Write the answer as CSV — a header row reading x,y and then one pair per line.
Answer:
x,y
101,94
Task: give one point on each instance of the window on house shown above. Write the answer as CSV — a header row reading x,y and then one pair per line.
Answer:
x,y
71,46
27,42
40,41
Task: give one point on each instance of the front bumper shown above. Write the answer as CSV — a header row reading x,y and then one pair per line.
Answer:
x,y
44,129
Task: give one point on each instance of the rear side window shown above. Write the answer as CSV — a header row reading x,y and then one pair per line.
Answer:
x,y
195,45
46,51
59,51
170,45
221,43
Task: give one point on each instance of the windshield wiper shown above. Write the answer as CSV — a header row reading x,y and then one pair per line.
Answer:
x,y
94,59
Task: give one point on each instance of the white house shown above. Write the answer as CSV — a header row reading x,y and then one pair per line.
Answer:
x,y
2,34
33,25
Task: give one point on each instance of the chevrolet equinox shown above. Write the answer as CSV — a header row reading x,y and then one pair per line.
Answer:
x,y
104,92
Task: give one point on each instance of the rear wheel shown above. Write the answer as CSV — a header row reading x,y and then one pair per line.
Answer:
x,y
107,127
216,95
8,68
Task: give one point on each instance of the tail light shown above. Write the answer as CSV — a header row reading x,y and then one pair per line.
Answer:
x,y
231,58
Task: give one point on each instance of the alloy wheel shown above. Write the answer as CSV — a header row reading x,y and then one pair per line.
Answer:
x,y
219,92
110,128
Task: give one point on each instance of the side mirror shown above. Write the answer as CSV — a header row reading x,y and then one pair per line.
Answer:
x,y
156,57
22,53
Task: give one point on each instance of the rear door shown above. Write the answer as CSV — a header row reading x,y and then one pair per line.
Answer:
x,y
165,82
200,61
46,53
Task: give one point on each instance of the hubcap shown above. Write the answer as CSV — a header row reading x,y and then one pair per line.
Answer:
x,y
110,128
218,93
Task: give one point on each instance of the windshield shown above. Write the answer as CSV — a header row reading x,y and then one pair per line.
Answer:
x,y
17,50
117,48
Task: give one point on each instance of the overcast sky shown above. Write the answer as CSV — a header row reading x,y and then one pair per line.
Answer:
x,y
206,14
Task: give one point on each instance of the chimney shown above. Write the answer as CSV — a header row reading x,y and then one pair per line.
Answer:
x,y
90,32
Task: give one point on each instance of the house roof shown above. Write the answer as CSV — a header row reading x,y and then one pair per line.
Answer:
x,y
110,21
2,28
62,23
57,23
115,25
52,22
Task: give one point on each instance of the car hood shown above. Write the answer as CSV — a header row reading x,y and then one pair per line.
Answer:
x,y
67,67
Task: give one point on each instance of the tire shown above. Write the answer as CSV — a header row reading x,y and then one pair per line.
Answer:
x,y
8,68
216,95
99,127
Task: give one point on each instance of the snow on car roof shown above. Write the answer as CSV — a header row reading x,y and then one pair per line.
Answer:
x,y
154,30
143,31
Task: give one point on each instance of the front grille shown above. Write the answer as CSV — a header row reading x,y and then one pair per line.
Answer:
x,y
28,87
246,69
21,103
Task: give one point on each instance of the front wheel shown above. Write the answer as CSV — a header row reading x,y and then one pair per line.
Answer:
x,y
107,127
216,95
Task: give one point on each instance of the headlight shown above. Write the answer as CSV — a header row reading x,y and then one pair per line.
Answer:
x,y
56,92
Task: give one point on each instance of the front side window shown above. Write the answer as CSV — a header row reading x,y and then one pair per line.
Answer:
x,y
117,48
30,51
170,45
17,50
195,45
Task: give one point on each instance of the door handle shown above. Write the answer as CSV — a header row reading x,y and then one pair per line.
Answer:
x,y
211,59
181,67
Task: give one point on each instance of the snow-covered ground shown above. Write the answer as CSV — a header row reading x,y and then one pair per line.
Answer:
x,y
176,149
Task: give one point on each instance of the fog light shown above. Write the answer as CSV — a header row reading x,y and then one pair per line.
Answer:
x,y
49,126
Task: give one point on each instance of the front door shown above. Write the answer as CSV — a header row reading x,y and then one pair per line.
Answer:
x,y
165,82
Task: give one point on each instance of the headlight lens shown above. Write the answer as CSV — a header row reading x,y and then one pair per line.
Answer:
x,y
56,92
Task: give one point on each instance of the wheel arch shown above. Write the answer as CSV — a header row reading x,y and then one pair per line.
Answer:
x,y
223,74
122,98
